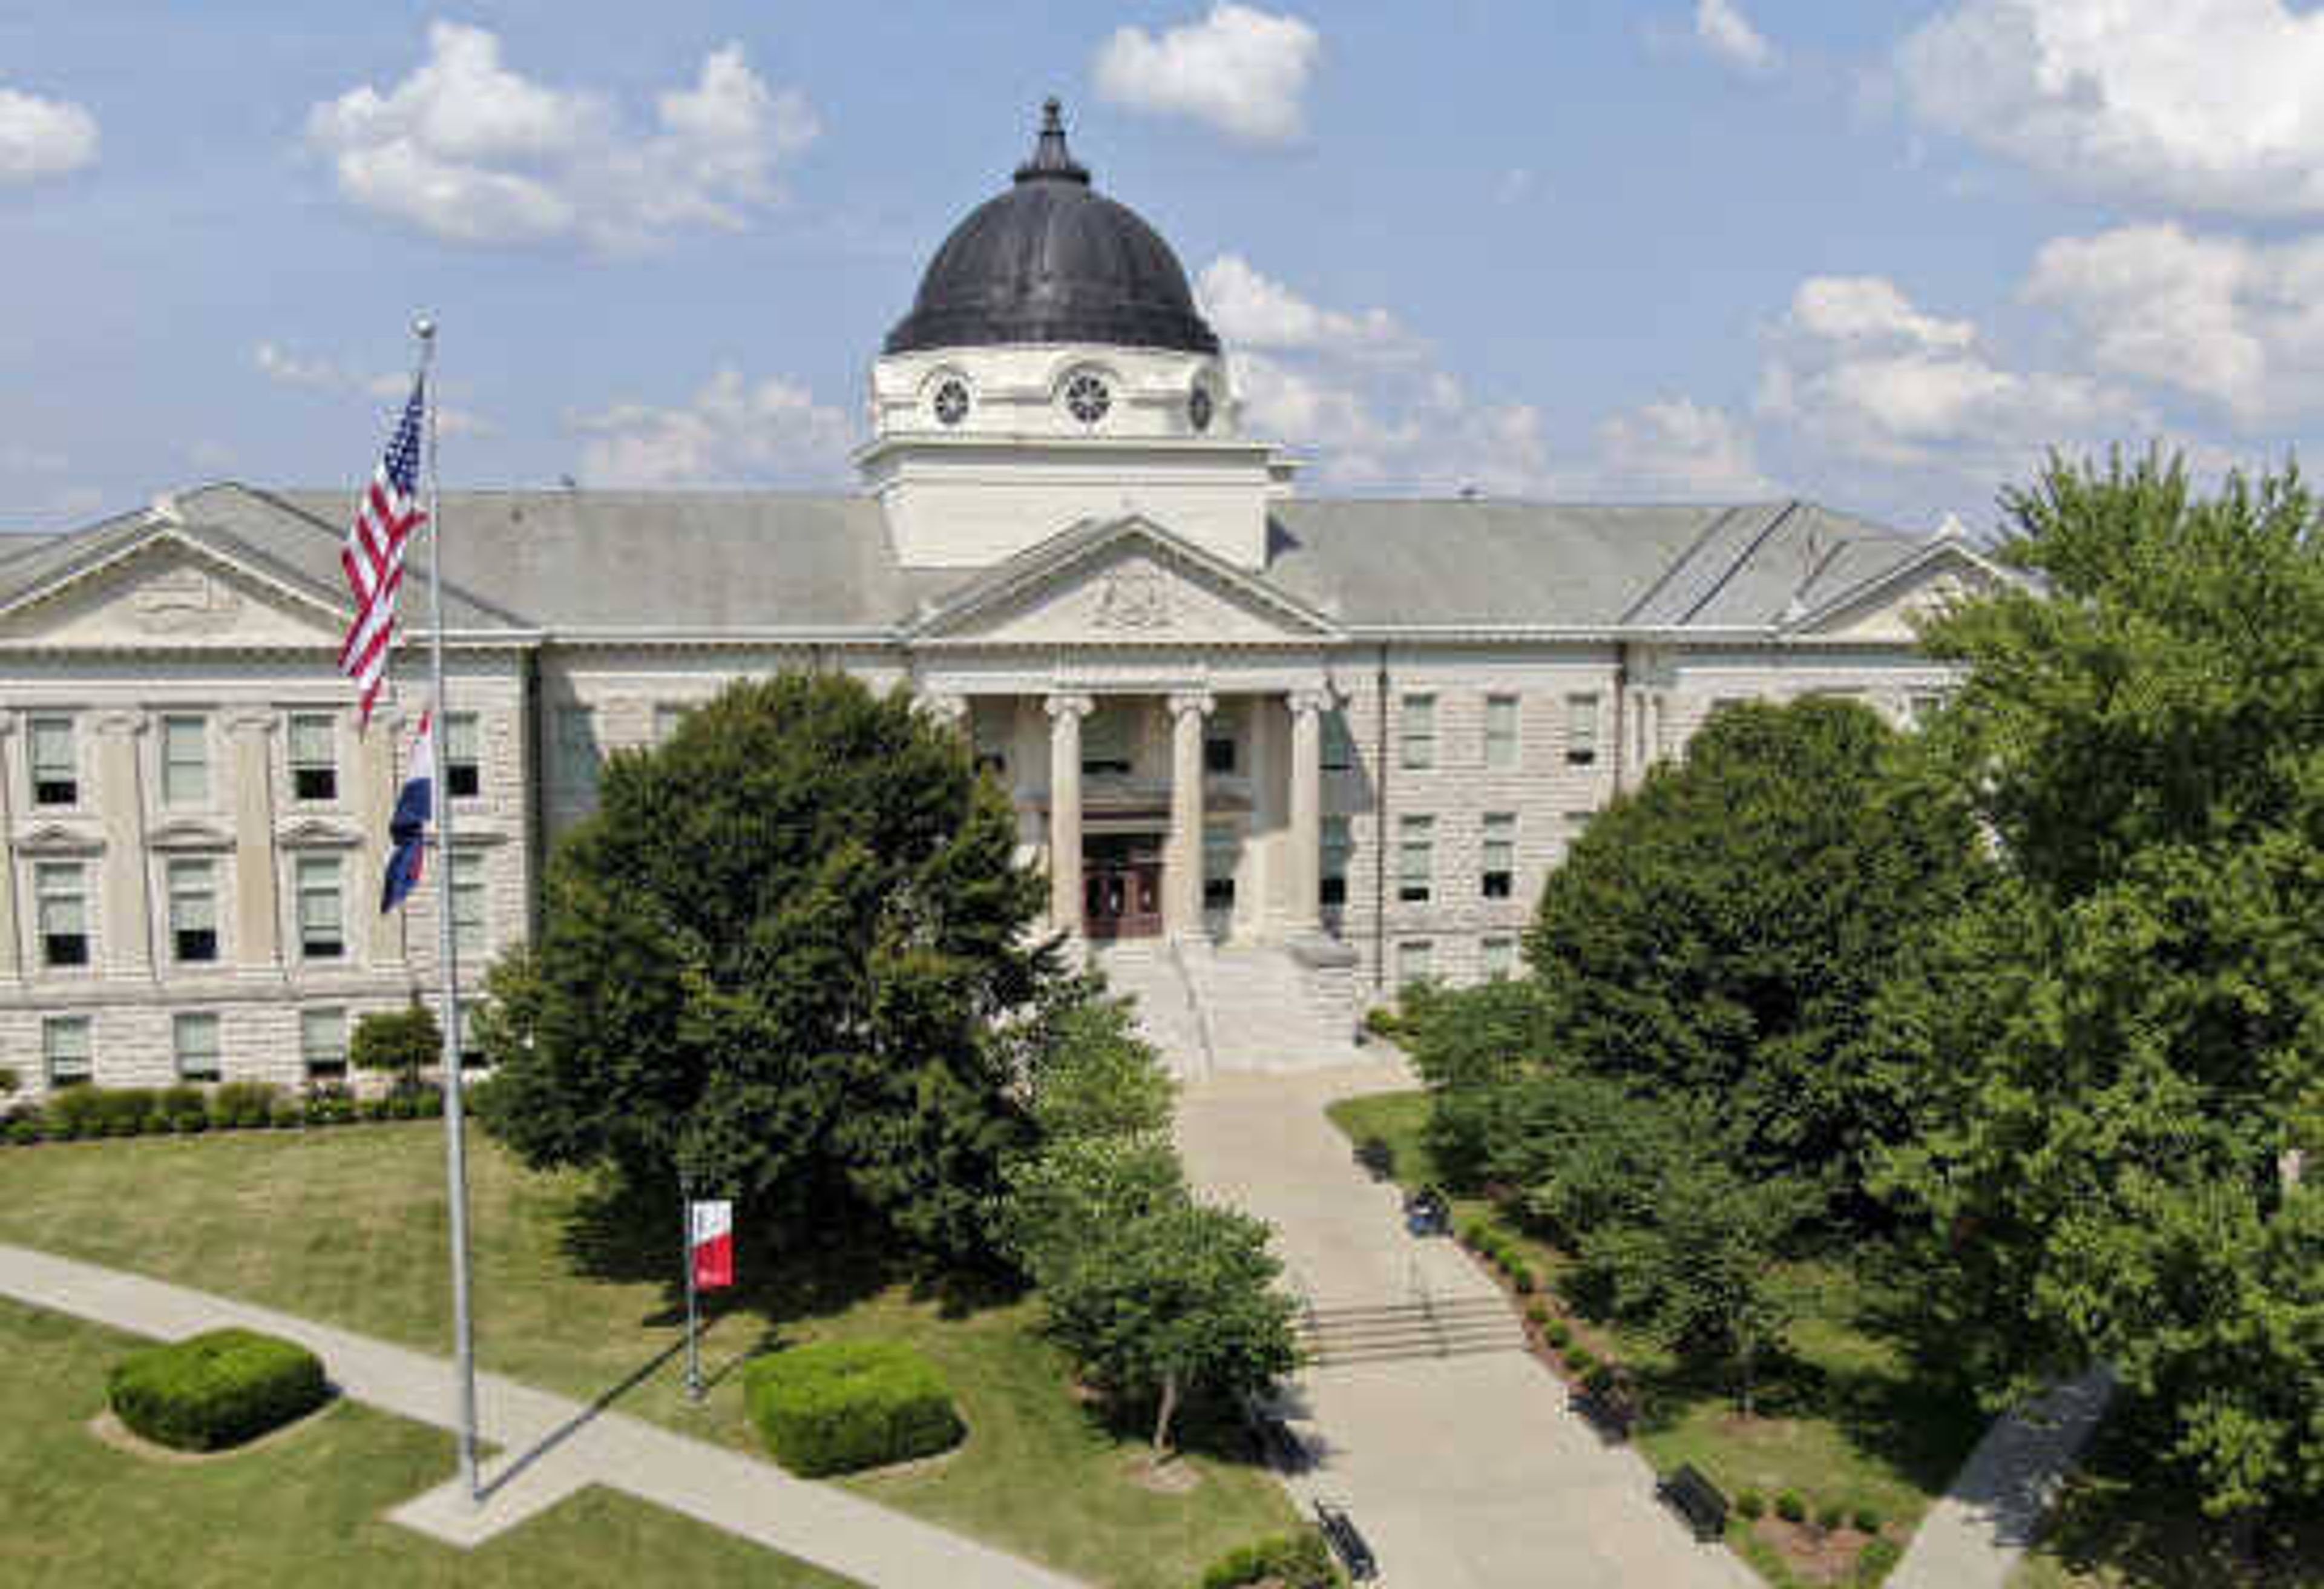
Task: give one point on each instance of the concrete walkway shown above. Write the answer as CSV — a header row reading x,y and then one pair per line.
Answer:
x,y
1463,1473
550,1447
1977,1533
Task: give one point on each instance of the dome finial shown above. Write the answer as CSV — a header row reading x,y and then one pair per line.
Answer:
x,y
1051,159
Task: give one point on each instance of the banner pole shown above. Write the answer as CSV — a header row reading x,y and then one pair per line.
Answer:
x,y
693,1331
455,1162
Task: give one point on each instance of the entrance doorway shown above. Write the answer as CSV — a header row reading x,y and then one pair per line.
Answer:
x,y
1121,885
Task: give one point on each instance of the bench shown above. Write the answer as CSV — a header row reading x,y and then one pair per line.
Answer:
x,y
1347,1544
1610,1416
1377,1157
1284,1450
1696,1499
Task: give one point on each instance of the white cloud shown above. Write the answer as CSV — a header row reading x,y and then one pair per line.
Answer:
x,y
43,137
467,150
2208,103
1679,448
1724,30
1255,311
733,433
393,387
1240,69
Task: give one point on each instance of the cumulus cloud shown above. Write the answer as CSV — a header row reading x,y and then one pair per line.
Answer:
x,y
2205,104
468,150
1679,448
1241,70
1723,30
733,433
1252,311
43,137
393,387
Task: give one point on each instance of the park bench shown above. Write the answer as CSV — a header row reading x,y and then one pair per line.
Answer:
x,y
1281,1447
1377,1156
1696,1499
1609,1413
1347,1544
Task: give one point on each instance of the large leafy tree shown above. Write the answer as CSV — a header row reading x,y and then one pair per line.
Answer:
x,y
2114,1049
783,957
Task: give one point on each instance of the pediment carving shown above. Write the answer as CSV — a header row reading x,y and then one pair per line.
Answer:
x,y
56,840
182,833
169,592
313,833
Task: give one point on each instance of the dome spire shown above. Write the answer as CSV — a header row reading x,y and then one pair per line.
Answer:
x,y
1051,160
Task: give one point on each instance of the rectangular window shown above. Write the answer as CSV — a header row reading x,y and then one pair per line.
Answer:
x,y
61,900
1106,741
468,935
64,1049
314,757
185,761
1338,742
56,774
1219,746
471,1051
1339,844
193,911
1499,869
1496,957
194,1038
577,757
1580,729
1415,865
463,766
669,716
1415,961
1221,850
323,1043
1419,732
1500,733
322,929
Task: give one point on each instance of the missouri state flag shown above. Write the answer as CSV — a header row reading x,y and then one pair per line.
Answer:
x,y
407,831
710,1244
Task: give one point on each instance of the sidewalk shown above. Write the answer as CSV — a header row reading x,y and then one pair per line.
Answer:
x,y
550,1447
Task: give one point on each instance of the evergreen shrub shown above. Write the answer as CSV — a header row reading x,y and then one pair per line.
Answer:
x,y
1560,1334
1830,1516
216,1390
1877,1559
1791,1507
1295,1561
1750,1505
836,1407
1868,1520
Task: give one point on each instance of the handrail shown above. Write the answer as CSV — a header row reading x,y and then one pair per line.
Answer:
x,y
1194,1006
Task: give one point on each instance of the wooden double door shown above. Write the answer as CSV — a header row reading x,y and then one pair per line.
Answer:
x,y
1122,886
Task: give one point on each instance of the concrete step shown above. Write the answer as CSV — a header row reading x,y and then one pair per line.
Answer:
x,y
1430,1327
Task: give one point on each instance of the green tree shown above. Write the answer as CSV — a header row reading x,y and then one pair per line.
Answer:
x,y
397,1042
784,956
2111,1049
1720,933
1466,1043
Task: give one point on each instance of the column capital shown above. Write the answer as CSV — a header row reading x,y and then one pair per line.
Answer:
x,y
1311,698
1200,701
1064,703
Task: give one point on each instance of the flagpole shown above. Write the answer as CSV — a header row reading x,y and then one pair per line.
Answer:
x,y
456,1158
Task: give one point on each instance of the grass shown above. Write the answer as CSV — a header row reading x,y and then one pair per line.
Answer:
x,y
574,1292
1844,1420
306,1509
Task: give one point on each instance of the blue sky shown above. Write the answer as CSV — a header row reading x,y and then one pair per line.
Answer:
x,y
1880,256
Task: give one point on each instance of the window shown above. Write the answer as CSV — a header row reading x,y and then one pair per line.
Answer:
x,y
1496,957
185,761
468,937
56,775
64,1049
952,403
463,770
1338,844
1415,961
194,1038
1338,744
668,718
314,757
576,751
1415,865
193,911
471,1051
1500,733
988,732
1221,850
1105,740
1580,729
322,931
1500,854
1086,398
60,892
323,1043
1219,745
1419,732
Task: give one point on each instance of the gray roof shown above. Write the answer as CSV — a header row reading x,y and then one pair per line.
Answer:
x,y
712,562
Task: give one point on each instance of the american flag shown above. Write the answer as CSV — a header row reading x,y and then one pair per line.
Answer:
x,y
372,556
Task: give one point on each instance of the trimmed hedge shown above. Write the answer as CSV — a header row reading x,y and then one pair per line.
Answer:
x,y
1296,1561
837,1407
216,1390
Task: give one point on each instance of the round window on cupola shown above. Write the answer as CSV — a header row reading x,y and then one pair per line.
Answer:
x,y
1201,408
950,401
1087,397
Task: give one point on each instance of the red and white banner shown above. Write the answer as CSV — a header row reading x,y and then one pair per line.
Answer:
x,y
710,1244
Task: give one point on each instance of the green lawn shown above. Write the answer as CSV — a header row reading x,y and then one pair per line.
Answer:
x,y
572,1294
1844,1423
304,1510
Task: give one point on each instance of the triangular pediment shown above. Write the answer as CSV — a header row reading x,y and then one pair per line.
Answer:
x,y
169,588
1893,606
1126,582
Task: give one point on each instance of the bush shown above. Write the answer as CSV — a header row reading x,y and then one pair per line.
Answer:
x,y
1580,1360
286,1113
329,1104
1295,1561
1866,1520
9,1080
243,1103
177,1102
25,1132
216,1390
1473,1235
77,1111
1831,1517
840,1406
1381,1021
1600,1381
1791,1508
402,1041
1521,1276
192,1126
1559,1335
153,1125
1537,1315
1877,1559
1750,1505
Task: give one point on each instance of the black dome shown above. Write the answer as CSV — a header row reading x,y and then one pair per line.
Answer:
x,y
1051,261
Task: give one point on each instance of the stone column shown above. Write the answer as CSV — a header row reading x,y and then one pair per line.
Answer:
x,y
1182,859
125,923
1307,709
257,874
11,961
1066,714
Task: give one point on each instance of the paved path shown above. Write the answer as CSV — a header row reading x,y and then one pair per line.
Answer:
x,y
1464,1473
551,1447
1976,1535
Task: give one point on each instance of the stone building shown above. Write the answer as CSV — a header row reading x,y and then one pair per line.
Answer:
x,y
1310,748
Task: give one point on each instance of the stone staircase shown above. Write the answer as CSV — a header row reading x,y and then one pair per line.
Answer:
x,y
1169,1017
1234,1008
1391,1331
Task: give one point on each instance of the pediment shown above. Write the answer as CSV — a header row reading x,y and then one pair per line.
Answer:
x,y
1129,583
182,833
313,833
53,839
169,591
1893,607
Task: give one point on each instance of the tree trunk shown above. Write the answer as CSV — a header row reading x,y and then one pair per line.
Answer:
x,y
1747,1350
1163,1415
